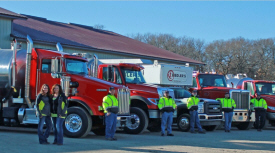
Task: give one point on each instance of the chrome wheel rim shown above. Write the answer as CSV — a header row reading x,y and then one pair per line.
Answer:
x,y
184,123
133,122
73,123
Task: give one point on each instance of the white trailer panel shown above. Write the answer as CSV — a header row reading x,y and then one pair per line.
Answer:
x,y
164,74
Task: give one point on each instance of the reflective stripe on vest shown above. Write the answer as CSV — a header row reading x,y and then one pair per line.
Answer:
x,y
194,103
227,103
165,103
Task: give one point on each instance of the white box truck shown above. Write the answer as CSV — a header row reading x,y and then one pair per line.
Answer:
x,y
178,77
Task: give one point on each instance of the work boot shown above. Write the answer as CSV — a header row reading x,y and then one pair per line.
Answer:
x,y
114,139
259,130
201,132
162,134
170,134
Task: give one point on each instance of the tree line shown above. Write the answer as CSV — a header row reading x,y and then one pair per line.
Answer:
x,y
233,56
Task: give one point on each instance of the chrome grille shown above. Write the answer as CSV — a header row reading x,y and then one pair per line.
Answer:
x,y
242,99
123,101
214,108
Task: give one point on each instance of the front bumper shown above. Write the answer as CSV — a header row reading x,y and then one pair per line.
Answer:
x,y
207,120
242,116
270,116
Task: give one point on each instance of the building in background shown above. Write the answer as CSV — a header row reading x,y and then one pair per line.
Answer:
x,y
77,38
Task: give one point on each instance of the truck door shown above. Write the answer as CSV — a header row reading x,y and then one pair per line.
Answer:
x,y
44,76
112,74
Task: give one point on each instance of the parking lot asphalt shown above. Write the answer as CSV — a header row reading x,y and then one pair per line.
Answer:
x,y
25,140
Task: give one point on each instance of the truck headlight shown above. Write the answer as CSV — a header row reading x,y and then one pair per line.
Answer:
x,y
200,108
153,100
270,107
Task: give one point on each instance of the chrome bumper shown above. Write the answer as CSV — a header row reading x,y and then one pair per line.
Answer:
x,y
242,116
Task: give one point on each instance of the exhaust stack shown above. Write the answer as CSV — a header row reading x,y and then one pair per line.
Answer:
x,y
95,66
14,62
27,72
59,47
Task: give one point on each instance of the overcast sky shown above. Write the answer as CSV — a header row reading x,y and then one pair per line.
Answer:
x,y
202,20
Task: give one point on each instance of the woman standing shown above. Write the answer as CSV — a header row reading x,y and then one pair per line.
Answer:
x,y
59,112
43,103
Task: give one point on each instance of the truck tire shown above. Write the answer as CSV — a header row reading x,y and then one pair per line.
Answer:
x,y
138,121
210,127
245,125
100,131
183,122
78,123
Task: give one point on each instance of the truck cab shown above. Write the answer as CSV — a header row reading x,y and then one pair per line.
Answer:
x,y
213,86
265,88
144,97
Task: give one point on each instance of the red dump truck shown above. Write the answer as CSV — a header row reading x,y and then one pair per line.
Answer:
x,y
265,88
213,86
27,70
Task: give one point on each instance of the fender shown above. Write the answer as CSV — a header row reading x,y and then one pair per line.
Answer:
x,y
141,99
83,104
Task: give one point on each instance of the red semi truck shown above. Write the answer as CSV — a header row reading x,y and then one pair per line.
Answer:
x,y
213,86
265,88
144,97
27,70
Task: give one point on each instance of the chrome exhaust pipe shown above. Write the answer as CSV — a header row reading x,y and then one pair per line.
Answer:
x,y
59,47
14,62
95,66
28,70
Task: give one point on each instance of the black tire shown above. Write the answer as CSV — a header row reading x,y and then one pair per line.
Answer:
x,y
210,127
183,122
155,126
245,125
138,121
80,116
100,131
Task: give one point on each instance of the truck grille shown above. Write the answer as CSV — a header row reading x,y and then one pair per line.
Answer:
x,y
242,99
213,108
123,101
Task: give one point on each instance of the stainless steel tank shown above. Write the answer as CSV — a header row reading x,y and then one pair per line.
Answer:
x,y
5,67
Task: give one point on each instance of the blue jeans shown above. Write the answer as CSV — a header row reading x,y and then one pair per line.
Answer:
x,y
167,118
58,129
194,118
110,122
44,135
228,119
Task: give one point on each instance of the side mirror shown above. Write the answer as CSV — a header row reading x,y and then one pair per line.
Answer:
x,y
54,65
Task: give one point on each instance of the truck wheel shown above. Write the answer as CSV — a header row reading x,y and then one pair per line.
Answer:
x,y
78,123
138,121
183,122
210,128
100,131
245,125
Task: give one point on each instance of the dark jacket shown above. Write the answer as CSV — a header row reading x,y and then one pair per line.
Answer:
x,y
60,105
43,107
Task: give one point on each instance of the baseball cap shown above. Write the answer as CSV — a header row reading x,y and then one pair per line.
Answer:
x,y
166,91
111,88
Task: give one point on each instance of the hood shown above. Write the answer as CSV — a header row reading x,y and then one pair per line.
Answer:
x,y
144,87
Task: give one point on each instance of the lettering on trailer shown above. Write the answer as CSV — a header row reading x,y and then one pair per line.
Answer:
x,y
177,76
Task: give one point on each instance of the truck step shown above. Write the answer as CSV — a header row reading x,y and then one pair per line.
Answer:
x,y
30,116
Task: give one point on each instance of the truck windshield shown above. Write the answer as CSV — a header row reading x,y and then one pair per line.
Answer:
x,y
76,67
180,93
133,76
208,80
265,88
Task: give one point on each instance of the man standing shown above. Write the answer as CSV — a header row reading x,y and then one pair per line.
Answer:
x,y
167,106
228,106
110,105
192,105
260,106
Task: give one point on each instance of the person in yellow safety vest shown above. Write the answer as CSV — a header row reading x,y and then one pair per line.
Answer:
x,y
228,105
192,105
260,107
167,106
110,105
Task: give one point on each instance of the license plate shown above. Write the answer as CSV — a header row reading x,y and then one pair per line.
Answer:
x,y
240,118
